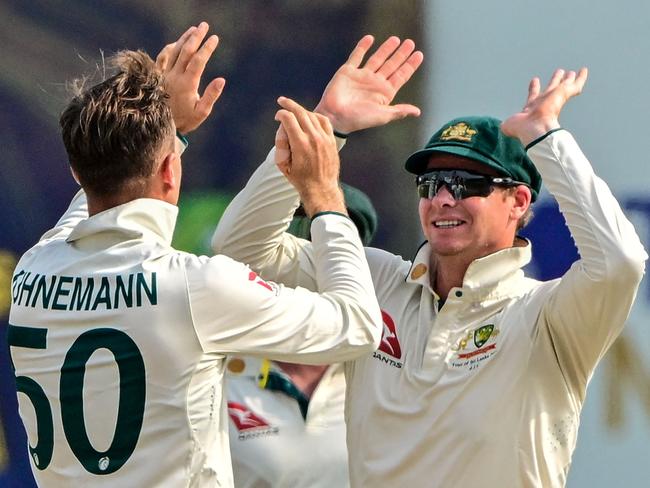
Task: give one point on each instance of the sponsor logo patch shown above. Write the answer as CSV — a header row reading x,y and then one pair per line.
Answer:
x,y
249,424
389,343
253,276
475,347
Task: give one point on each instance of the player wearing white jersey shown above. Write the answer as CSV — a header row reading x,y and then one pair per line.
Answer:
x,y
482,372
279,436
117,339
286,419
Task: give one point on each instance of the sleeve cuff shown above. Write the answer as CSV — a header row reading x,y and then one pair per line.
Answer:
x,y
183,140
329,212
542,137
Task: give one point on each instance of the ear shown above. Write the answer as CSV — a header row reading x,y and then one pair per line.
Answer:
x,y
522,199
75,175
168,171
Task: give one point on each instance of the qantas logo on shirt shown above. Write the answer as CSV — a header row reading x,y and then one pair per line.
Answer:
x,y
243,418
389,343
252,276
249,424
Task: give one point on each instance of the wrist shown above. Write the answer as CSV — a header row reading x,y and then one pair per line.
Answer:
x,y
323,201
340,129
536,129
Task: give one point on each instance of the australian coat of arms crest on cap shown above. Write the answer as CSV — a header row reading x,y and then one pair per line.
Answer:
x,y
458,132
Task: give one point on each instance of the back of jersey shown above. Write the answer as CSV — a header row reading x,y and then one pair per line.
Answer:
x,y
114,388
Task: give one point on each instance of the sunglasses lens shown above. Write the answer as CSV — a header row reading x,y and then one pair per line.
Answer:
x,y
476,187
423,190
460,184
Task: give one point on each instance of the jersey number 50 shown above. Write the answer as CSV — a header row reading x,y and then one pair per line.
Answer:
x,y
131,404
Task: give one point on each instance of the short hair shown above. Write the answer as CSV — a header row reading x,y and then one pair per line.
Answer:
x,y
114,130
525,219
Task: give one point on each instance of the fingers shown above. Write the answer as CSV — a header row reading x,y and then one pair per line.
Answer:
x,y
282,151
300,130
360,50
397,58
290,124
198,61
555,79
571,81
581,79
302,115
190,46
533,89
281,138
168,56
382,53
211,94
404,110
399,78
309,122
162,60
290,128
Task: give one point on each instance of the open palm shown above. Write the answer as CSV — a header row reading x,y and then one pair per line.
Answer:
x,y
542,110
360,97
182,63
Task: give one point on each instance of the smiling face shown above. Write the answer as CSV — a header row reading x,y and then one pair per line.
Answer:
x,y
472,227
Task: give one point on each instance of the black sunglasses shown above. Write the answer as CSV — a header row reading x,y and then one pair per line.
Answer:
x,y
461,184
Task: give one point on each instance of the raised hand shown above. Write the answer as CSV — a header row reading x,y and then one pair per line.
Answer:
x,y
312,166
542,110
182,63
358,97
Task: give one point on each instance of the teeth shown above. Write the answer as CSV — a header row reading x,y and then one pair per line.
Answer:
x,y
446,224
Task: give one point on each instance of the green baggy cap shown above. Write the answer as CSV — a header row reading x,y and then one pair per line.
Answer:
x,y
480,139
360,209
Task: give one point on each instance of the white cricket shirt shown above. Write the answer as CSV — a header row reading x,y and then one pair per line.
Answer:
x,y
271,444
119,342
487,391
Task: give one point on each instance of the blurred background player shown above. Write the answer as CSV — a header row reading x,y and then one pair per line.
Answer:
x,y
286,420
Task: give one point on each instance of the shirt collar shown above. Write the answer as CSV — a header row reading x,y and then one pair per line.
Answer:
x,y
484,273
144,218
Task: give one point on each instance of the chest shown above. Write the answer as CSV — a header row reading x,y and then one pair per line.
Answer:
x,y
271,441
429,361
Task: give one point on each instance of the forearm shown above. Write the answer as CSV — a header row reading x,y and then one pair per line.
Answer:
x,y
252,227
606,240
587,310
234,311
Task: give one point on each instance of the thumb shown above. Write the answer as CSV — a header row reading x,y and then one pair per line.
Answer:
x,y
211,94
408,110
282,148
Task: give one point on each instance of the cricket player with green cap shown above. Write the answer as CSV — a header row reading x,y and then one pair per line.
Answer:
x,y
482,372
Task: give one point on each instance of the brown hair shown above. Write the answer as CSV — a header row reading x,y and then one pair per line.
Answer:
x,y
114,130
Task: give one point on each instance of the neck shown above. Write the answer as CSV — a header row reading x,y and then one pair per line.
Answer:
x,y
448,272
305,376
130,191
97,205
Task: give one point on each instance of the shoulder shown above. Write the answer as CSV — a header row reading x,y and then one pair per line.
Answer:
x,y
382,261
